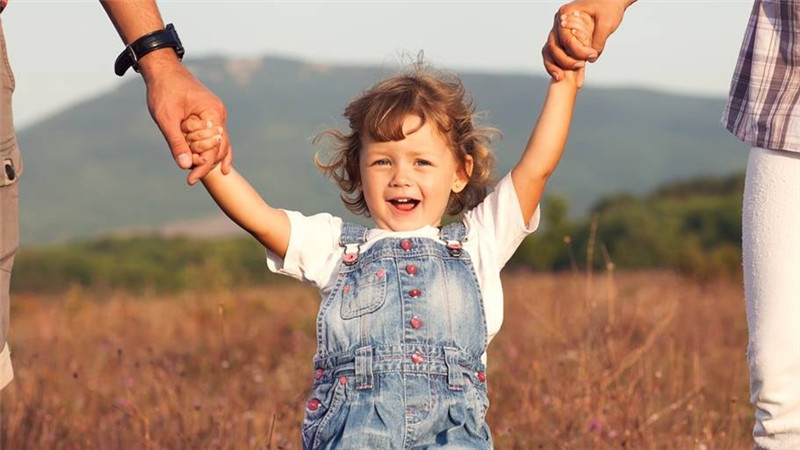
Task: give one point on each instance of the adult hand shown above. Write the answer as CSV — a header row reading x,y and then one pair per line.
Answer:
x,y
174,95
564,52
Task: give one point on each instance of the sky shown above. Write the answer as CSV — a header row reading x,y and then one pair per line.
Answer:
x,y
62,51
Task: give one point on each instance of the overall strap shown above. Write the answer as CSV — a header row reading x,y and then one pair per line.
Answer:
x,y
364,375
455,379
353,235
454,235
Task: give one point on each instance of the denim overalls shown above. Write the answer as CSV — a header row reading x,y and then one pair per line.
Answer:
x,y
399,345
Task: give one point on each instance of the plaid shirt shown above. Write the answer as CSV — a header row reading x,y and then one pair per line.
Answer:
x,y
763,109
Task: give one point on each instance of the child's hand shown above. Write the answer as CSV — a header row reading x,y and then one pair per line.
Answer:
x,y
201,136
580,26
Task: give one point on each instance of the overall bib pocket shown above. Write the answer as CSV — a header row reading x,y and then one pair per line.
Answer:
x,y
364,291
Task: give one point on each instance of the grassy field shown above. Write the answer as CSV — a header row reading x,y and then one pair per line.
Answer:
x,y
632,360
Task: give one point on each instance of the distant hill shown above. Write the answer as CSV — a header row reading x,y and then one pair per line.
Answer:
x,y
102,165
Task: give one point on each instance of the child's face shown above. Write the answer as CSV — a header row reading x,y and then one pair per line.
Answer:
x,y
407,183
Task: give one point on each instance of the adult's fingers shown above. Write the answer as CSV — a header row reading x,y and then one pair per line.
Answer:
x,y
550,66
558,55
171,130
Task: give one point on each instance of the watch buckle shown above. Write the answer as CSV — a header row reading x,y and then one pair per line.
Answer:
x,y
134,59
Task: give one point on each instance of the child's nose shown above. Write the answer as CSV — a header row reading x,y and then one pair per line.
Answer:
x,y
400,178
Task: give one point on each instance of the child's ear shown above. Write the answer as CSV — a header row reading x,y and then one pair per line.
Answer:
x,y
461,178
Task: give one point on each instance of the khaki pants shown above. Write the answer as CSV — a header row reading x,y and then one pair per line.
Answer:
x,y
10,171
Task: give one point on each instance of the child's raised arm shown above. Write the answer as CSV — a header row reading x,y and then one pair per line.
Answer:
x,y
549,135
237,198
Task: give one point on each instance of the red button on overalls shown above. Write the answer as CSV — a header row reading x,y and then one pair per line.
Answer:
x,y
416,322
482,377
412,269
313,404
406,245
417,358
415,293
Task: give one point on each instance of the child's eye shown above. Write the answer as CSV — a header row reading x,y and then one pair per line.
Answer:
x,y
381,162
422,162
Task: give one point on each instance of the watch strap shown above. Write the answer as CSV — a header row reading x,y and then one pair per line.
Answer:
x,y
133,52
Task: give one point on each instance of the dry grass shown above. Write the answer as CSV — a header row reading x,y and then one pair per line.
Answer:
x,y
640,360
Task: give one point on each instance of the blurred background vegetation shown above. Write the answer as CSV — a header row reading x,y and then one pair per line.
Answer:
x,y
691,226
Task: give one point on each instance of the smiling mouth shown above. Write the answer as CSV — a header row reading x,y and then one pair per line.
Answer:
x,y
404,204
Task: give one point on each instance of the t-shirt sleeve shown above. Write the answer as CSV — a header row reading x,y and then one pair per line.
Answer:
x,y
499,218
312,241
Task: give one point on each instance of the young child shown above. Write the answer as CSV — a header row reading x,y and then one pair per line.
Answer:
x,y
408,306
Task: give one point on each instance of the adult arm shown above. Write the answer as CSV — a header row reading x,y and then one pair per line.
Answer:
x,y
173,93
563,51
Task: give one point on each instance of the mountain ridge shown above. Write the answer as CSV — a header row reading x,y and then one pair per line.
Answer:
x,y
102,165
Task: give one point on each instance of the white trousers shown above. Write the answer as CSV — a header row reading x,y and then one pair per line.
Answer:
x,y
771,254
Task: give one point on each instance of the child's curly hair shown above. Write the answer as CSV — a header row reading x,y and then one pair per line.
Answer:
x,y
380,112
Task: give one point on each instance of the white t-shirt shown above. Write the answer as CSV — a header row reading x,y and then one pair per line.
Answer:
x,y
495,229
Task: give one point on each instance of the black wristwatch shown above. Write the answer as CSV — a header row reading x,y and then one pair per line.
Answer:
x,y
130,57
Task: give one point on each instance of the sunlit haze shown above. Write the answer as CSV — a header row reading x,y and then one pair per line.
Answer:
x,y
63,51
